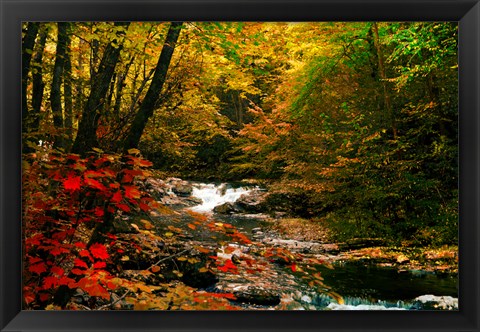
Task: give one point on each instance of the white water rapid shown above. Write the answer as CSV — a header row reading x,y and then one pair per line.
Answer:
x,y
213,195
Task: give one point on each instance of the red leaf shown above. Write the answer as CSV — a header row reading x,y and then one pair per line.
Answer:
x,y
117,197
99,265
99,251
144,207
84,253
78,272
123,207
228,266
100,161
29,298
132,192
94,184
44,297
293,267
80,245
37,268
72,183
78,262
65,281
133,172
127,178
99,212
221,295
111,285
59,250
33,260
57,270
50,282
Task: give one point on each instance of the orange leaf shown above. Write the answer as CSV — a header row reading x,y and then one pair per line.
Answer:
x,y
203,250
132,192
93,288
94,184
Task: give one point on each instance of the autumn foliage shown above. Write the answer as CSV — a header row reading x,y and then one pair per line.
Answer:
x,y
66,201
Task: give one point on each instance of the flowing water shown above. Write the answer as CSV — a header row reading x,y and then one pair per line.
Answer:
x,y
213,195
364,287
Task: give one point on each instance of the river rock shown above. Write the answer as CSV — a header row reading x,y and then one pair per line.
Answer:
x,y
253,202
257,295
432,302
226,208
180,187
123,225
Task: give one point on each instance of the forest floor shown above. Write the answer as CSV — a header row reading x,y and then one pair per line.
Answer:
x,y
434,259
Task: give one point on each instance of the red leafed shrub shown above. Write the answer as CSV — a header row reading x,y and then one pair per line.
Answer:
x,y
65,198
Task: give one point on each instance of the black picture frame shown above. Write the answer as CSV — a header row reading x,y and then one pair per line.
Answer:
x,y
13,12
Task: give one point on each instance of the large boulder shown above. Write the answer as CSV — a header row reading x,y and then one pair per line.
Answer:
x,y
253,202
226,208
432,302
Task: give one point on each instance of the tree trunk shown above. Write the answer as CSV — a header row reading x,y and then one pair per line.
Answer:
x,y
37,82
27,50
87,129
55,94
79,97
67,88
383,77
153,93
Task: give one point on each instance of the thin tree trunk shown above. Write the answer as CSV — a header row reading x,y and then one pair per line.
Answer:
x,y
55,94
383,77
27,50
67,88
38,85
87,129
153,93
119,88
79,86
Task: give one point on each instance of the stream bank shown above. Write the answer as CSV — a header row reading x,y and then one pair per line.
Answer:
x,y
391,272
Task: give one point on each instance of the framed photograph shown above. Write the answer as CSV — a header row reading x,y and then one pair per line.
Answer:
x,y
239,165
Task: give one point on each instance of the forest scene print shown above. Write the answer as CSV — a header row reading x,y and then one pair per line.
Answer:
x,y
240,165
